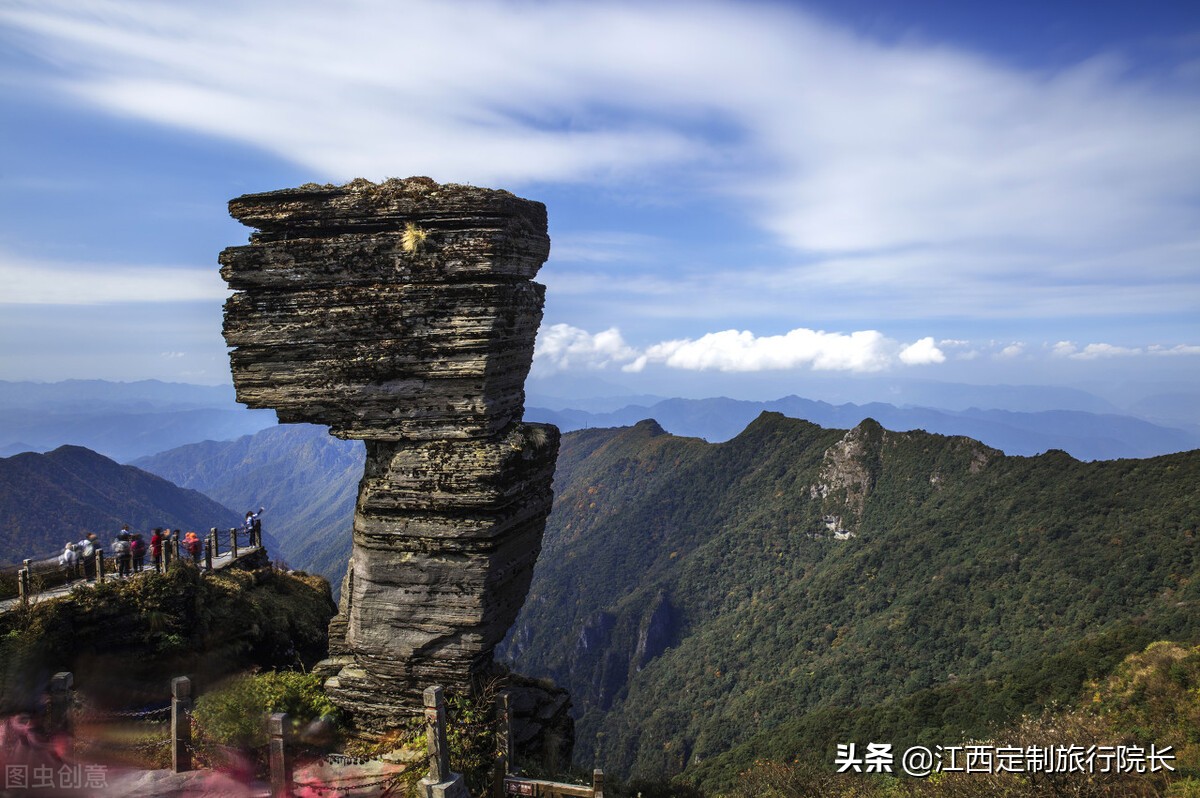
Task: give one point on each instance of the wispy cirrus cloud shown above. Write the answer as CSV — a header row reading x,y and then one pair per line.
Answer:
x,y
836,141
30,282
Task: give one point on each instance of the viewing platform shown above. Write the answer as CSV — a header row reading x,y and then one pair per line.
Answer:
x,y
44,579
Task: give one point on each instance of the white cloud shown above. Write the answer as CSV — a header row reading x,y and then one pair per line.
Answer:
x,y
49,283
1011,351
733,350
1100,351
1095,351
1178,349
561,347
923,352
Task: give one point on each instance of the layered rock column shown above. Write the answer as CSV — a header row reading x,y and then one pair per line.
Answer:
x,y
404,314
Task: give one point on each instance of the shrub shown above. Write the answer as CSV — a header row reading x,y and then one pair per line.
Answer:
x,y
235,713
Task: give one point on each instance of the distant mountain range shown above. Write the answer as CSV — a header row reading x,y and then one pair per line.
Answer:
x,y
127,421
49,499
1173,404
1084,435
120,420
798,586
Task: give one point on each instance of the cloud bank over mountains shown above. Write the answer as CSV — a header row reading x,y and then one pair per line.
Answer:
x,y
564,348
561,347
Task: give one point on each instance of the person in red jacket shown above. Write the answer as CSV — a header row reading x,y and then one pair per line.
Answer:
x,y
193,546
156,545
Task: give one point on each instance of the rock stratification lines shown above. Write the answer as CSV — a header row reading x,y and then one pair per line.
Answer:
x,y
404,314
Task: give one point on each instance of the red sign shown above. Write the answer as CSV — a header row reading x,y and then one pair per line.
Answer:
x,y
513,787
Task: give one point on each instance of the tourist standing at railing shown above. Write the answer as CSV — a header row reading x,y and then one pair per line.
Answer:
x,y
69,560
121,550
156,549
137,550
253,527
87,552
191,543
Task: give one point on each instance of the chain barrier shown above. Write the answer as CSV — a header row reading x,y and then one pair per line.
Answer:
x,y
342,760
95,715
346,789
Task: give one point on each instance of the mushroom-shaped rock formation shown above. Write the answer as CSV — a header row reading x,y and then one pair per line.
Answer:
x,y
404,314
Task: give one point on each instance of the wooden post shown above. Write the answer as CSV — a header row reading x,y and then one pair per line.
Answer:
x,y
503,743
281,761
99,565
208,554
23,585
597,783
175,541
233,543
440,783
181,724
498,775
504,739
216,546
60,702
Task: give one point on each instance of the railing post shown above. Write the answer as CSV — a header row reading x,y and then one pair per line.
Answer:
x,y
233,542
504,713
440,783
99,555
60,701
216,546
181,724
597,783
23,585
281,761
503,743
208,554
498,774
175,544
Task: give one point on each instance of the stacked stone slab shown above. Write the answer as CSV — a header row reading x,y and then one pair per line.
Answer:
x,y
404,314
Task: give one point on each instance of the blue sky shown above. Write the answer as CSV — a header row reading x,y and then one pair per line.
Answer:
x,y
740,193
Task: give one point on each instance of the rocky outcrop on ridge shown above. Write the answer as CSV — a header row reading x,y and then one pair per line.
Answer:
x,y
404,314
848,474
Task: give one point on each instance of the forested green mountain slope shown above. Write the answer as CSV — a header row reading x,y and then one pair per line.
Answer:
x,y
696,597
